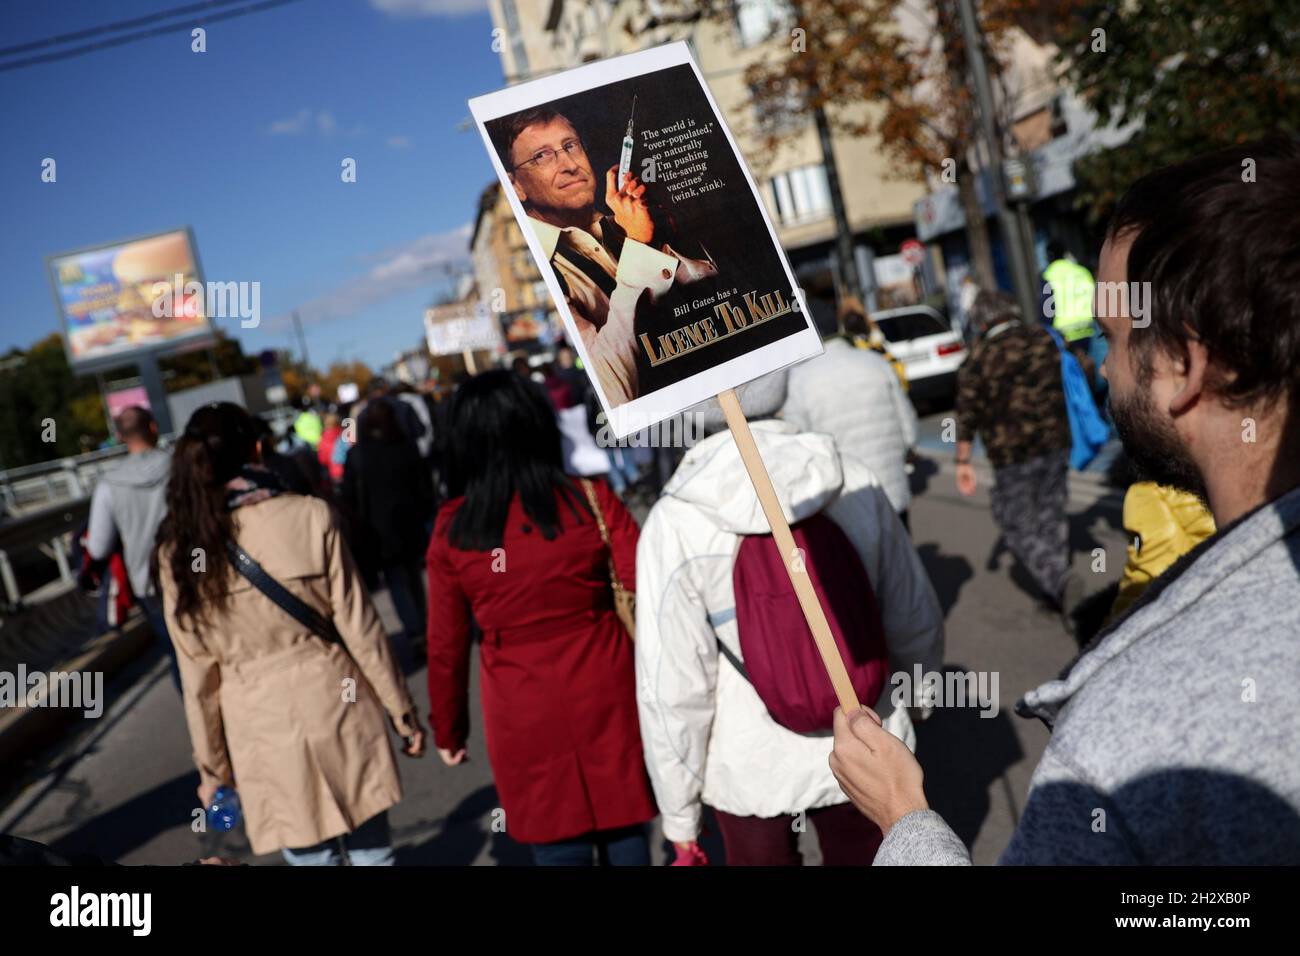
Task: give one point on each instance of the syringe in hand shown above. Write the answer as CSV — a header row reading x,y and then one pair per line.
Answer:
x,y
625,161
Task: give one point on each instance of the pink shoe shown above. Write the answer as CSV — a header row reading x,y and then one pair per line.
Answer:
x,y
690,855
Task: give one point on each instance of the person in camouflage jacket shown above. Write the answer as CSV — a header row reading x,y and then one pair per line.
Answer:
x,y
1010,394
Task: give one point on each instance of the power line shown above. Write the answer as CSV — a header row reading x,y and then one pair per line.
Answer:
x,y
144,34
117,27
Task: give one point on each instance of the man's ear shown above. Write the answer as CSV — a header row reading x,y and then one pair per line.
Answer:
x,y
519,190
1194,370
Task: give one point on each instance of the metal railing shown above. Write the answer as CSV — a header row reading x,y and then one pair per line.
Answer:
x,y
65,479
45,529
43,504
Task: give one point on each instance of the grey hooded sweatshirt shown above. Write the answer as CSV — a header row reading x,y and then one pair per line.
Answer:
x,y
1176,733
128,505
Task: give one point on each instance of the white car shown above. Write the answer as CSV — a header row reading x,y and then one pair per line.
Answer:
x,y
929,349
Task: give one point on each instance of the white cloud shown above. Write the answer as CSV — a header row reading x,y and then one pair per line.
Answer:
x,y
418,263
428,8
399,142
305,120
293,125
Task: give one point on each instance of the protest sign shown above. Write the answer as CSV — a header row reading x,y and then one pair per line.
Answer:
x,y
649,231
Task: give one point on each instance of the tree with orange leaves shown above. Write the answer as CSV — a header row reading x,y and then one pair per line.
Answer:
x,y
895,70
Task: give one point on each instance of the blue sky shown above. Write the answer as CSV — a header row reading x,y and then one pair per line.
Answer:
x,y
245,143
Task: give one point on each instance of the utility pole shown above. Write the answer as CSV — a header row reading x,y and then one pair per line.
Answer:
x,y
302,342
1013,241
843,234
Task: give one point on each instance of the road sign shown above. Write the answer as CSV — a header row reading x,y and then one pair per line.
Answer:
x,y
913,252
1022,184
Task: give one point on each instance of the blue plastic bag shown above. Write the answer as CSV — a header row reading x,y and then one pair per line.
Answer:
x,y
1088,430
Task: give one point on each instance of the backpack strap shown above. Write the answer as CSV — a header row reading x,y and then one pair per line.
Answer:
x,y
295,607
735,661
715,622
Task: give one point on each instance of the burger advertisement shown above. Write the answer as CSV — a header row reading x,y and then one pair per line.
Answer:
x,y
108,298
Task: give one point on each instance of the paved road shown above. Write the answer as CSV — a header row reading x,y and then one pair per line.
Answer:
x,y
123,785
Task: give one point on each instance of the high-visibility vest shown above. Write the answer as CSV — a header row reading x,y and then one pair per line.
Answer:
x,y
309,427
1072,288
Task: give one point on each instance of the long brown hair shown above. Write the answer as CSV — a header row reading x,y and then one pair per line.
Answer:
x,y
219,440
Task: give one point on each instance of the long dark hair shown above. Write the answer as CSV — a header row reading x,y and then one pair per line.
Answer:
x,y
218,441
504,441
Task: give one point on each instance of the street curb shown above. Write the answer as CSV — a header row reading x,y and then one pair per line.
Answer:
x,y
26,730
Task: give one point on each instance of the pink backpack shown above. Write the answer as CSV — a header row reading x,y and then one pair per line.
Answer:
x,y
781,658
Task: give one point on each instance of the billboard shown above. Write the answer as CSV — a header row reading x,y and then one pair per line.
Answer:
x,y
118,300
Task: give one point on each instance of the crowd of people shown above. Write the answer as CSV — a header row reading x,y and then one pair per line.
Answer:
x,y
496,517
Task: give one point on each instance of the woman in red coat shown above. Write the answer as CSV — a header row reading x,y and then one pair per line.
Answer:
x,y
518,546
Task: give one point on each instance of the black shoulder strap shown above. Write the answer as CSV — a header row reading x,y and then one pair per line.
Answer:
x,y
735,661
301,612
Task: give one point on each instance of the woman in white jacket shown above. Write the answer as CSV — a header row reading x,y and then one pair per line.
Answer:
x,y
708,737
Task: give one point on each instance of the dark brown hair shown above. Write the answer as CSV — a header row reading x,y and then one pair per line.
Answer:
x,y
1218,239
218,441
133,422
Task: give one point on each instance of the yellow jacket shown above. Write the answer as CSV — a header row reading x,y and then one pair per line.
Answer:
x,y
1165,525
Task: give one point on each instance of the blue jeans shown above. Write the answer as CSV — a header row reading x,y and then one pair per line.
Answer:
x,y
627,846
368,845
152,606
407,592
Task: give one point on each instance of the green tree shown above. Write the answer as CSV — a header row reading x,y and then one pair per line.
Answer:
x,y
195,368
1192,75
358,373
45,410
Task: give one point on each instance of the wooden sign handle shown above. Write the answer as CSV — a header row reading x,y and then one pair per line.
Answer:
x,y
803,588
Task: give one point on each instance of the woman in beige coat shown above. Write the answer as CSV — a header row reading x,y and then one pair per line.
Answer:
x,y
295,721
